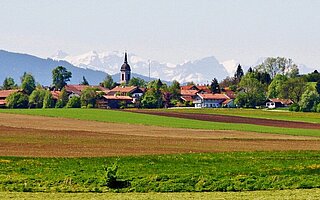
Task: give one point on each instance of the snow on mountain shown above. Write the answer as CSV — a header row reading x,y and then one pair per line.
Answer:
x,y
231,66
198,71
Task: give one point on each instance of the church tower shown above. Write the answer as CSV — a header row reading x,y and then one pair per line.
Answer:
x,y
125,71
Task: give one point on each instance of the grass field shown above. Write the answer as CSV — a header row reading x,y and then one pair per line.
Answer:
x,y
65,137
256,113
165,173
137,118
305,194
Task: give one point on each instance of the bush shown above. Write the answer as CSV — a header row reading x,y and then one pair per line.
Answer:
x,y
74,102
294,107
48,100
318,107
59,104
17,100
111,176
90,105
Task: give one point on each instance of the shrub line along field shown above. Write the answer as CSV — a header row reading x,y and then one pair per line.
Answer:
x,y
153,120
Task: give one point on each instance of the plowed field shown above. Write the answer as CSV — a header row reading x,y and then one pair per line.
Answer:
x,y
24,135
233,119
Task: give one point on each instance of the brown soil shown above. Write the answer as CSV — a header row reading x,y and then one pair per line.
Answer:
x,y
233,119
22,135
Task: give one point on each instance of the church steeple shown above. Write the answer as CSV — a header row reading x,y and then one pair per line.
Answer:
x,y
125,70
125,58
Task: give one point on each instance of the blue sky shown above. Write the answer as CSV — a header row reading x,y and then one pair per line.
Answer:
x,y
167,30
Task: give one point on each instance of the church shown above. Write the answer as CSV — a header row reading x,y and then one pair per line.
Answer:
x,y
125,71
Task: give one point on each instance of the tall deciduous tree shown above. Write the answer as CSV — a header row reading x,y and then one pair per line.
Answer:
x,y
278,65
318,86
60,77
174,90
153,97
274,88
136,81
108,82
293,89
28,83
48,100
88,97
309,101
9,84
252,93
36,98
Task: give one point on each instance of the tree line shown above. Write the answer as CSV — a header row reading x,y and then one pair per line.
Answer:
x,y
273,78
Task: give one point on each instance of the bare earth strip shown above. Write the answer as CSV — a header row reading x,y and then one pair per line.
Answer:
x,y
233,119
23,135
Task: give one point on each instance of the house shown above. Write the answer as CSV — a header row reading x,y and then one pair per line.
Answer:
x,y
76,90
212,101
114,101
276,103
189,92
3,95
133,91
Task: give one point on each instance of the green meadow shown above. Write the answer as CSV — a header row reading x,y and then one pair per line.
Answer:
x,y
117,116
205,172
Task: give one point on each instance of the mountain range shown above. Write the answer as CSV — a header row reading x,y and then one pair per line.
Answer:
x,y
96,65
199,71
15,64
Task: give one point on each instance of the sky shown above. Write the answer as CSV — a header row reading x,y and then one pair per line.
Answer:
x,y
168,30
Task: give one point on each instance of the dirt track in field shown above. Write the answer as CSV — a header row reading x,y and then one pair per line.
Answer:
x,y
233,119
23,135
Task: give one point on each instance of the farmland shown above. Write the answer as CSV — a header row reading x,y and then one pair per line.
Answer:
x,y
255,113
236,171
163,121
67,150
272,195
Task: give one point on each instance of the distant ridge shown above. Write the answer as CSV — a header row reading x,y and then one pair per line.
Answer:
x,y
15,64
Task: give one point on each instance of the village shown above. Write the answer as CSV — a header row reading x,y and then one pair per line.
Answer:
x,y
132,93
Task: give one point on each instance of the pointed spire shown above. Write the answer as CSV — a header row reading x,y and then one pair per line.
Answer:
x,y
125,57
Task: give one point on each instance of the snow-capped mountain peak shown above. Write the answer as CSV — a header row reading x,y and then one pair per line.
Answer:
x,y
198,71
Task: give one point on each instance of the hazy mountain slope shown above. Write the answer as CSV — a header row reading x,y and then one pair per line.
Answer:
x,y
200,71
15,64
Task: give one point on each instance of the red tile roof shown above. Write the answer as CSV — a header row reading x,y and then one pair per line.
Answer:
x,y
5,93
188,87
77,89
187,98
189,92
114,97
121,89
202,87
214,96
